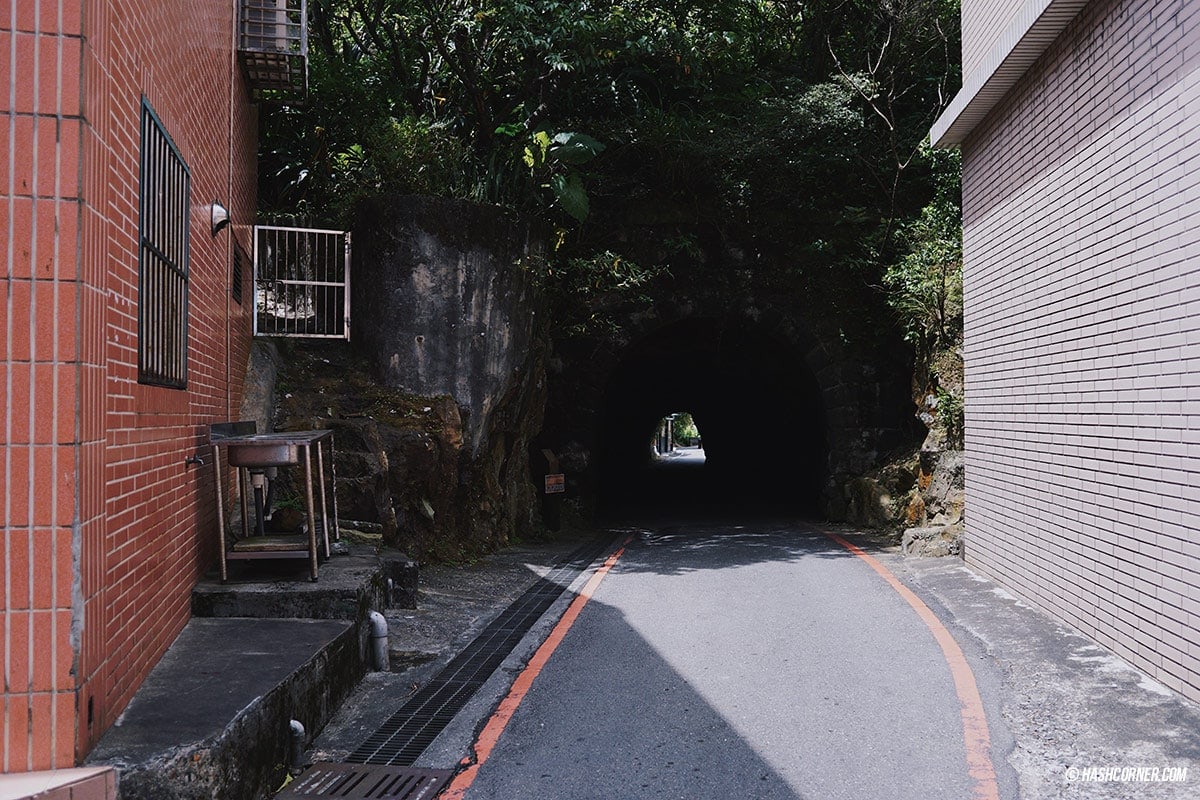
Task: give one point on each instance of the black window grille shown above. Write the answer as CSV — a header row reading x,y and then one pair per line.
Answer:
x,y
162,257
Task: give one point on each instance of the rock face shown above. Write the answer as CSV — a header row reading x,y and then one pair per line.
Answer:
x,y
444,304
396,453
942,496
435,405
258,392
876,499
921,491
932,541
935,510
936,507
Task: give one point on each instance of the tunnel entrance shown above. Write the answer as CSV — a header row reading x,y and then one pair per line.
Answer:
x,y
757,402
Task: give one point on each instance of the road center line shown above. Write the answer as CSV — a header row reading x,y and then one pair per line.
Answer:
x,y
490,735
974,719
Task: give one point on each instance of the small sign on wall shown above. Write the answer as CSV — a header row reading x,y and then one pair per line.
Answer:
x,y
556,483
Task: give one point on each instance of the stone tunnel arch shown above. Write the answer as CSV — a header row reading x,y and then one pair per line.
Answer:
x,y
780,412
847,391
447,309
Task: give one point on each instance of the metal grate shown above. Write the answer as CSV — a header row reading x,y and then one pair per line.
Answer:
x,y
426,714
368,782
238,278
165,198
301,282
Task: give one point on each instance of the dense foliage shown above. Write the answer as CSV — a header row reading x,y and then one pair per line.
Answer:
x,y
657,137
684,430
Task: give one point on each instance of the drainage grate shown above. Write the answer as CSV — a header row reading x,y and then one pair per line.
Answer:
x,y
363,782
419,721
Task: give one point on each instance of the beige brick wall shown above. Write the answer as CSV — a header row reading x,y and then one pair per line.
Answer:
x,y
1082,249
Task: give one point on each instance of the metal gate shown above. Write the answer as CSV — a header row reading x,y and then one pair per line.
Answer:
x,y
301,282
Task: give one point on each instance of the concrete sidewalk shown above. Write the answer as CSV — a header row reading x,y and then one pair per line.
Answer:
x,y
1083,721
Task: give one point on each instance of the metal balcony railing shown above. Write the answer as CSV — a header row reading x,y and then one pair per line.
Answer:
x,y
301,282
273,44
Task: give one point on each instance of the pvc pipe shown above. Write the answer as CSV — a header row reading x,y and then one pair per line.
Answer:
x,y
297,744
379,642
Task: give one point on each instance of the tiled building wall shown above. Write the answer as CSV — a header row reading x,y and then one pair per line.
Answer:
x,y
982,25
1082,250
152,529
105,528
39,300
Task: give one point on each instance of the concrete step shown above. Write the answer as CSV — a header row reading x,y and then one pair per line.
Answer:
x,y
267,647
352,582
212,719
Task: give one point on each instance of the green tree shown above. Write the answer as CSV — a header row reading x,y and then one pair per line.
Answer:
x,y
925,286
671,138
684,428
925,289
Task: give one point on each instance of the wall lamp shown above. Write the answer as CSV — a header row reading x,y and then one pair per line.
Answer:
x,y
220,217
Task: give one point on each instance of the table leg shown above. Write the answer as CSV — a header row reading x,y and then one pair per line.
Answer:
x,y
243,487
217,481
324,502
337,531
312,517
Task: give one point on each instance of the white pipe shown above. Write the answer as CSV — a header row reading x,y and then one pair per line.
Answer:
x,y
297,744
379,641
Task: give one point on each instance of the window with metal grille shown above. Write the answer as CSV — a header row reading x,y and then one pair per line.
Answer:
x,y
162,257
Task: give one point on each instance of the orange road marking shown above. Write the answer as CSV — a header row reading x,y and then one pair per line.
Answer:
x,y
974,719
499,720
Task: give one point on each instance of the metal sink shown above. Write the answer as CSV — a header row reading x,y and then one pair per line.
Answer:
x,y
255,455
262,454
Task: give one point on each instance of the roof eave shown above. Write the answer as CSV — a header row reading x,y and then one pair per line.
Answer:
x,y
1033,29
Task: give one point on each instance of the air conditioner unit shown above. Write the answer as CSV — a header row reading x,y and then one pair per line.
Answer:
x,y
273,43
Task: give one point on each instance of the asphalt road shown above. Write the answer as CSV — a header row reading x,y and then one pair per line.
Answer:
x,y
756,661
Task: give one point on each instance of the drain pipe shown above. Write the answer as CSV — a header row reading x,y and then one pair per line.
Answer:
x,y
379,642
297,745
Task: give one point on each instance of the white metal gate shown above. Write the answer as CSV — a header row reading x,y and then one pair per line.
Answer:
x,y
301,282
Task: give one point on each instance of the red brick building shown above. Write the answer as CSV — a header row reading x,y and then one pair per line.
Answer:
x,y
122,337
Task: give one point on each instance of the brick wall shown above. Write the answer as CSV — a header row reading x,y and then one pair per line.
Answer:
x,y
106,529
39,224
1082,237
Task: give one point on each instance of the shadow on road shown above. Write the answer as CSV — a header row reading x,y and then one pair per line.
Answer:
x,y
609,718
747,683
713,544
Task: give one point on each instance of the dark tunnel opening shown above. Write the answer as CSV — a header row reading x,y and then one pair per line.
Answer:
x,y
756,403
